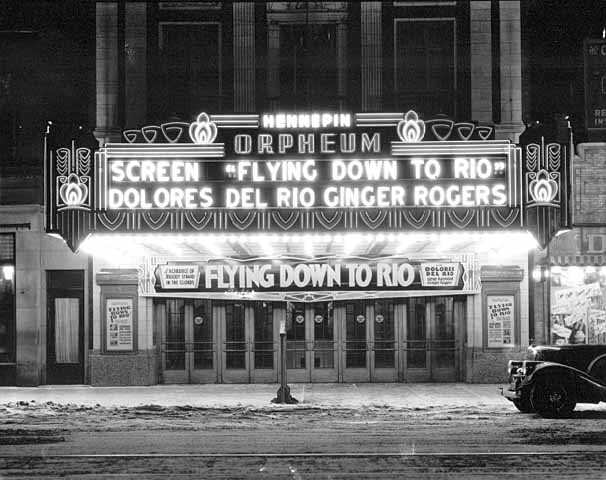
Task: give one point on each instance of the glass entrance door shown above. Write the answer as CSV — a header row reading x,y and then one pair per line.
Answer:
x,y
442,346
298,339
249,339
311,354
384,332
433,325
236,362
208,342
323,344
265,342
355,358
202,361
188,344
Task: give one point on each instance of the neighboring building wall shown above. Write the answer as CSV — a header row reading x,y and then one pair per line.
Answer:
x,y
35,253
589,177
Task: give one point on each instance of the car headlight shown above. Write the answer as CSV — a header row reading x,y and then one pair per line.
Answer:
x,y
527,368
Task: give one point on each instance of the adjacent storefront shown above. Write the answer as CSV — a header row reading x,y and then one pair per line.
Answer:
x,y
388,247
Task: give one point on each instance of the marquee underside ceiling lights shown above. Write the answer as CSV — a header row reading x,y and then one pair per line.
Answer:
x,y
131,248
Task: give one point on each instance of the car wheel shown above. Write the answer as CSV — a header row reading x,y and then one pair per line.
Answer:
x,y
523,404
552,398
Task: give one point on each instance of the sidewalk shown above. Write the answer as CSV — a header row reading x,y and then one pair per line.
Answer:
x,y
398,395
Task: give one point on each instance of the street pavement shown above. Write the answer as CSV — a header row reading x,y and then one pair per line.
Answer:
x,y
350,395
337,431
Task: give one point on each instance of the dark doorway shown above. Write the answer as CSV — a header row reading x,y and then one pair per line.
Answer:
x,y
65,327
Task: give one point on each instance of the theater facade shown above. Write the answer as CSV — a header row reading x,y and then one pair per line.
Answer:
x,y
386,247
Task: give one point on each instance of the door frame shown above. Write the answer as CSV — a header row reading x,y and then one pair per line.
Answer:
x,y
429,373
171,376
206,375
233,375
385,374
358,374
443,374
52,293
265,375
301,375
323,375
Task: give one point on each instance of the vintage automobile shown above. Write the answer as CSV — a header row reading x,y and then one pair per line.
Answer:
x,y
553,379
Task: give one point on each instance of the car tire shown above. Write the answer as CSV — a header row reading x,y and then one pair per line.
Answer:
x,y
552,398
523,404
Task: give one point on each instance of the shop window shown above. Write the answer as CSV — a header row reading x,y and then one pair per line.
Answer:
x,y
424,65
308,66
188,76
596,243
7,298
578,305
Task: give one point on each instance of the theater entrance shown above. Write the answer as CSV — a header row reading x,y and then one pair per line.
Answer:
x,y
435,327
206,341
413,339
311,342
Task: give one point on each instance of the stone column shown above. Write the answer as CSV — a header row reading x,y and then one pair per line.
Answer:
x,y
511,71
108,83
244,57
481,61
273,64
371,56
342,63
135,53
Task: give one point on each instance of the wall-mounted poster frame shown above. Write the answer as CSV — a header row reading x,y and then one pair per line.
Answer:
x,y
500,321
501,325
119,326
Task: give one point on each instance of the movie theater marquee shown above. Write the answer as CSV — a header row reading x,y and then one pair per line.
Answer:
x,y
306,161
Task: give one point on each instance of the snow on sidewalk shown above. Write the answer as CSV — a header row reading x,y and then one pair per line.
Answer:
x,y
394,395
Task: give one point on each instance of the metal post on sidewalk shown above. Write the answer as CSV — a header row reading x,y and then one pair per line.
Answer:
x,y
283,362
283,395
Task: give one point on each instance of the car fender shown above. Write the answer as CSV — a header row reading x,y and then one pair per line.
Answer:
x,y
587,388
551,368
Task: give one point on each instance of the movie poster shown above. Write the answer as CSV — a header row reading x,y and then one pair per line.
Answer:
x,y
119,315
500,309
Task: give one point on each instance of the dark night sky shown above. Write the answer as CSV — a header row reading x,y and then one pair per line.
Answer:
x,y
553,32
49,47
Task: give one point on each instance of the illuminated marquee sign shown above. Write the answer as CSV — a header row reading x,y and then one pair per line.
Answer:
x,y
337,275
307,161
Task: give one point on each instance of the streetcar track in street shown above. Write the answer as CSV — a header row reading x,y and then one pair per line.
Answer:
x,y
311,454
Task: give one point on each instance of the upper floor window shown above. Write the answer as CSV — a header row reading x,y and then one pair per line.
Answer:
x,y
308,66
188,76
425,66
